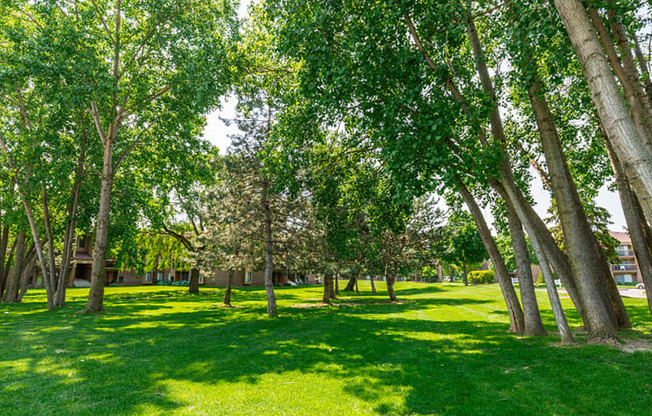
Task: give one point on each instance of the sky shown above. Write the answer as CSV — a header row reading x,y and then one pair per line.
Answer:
x,y
217,132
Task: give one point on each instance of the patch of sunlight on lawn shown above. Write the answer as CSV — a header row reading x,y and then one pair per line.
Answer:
x,y
287,393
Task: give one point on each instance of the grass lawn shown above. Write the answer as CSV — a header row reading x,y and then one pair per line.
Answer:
x,y
443,350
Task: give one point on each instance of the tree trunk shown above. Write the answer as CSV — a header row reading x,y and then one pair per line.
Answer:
x,y
611,108
509,294
193,286
4,243
337,284
24,280
52,267
557,310
69,236
465,274
227,293
4,281
351,284
373,286
357,290
328,282
95,301
584,253
532,316
639,231
14,275
626,72
390,279
642,62
269,249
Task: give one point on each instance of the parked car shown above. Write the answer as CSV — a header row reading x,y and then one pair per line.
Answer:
x,y
640,286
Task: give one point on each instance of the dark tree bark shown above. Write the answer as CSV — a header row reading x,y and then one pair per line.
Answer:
x,y
193,286
4,243
28,265
227,293
14,275
390,279
517,322
328,290
337,284
357,290
373,285
465,274
350,286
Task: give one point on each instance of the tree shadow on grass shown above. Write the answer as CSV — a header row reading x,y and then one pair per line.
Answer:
x,y
390,358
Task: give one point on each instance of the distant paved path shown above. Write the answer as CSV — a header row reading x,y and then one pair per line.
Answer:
x,y
632,293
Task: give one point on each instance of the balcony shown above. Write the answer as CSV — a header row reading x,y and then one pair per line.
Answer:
x,y
624,267
625,253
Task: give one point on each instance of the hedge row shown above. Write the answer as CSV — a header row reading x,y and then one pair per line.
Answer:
x,y
481,276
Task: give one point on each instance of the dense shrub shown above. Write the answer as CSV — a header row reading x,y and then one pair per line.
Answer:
x,y
481,276
626,283
173,283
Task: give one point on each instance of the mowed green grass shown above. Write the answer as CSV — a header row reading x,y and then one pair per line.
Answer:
x,y
443,350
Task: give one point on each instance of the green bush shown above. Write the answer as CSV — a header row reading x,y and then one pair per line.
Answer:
x,y
626,283
481,276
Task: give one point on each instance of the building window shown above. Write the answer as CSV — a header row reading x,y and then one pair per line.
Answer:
x,y
121,279
148,277
159,276
624,278
247,279
185,276
201,278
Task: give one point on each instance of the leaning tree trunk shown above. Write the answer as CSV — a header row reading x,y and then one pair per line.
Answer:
x,y
626,72
357,290
557,310
69,235
609,103
642,62
95,301
509,294
373,285
532,316
269,249
507,187
193,286
584,253
227,293
29,265
351,283
14,275
636,225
